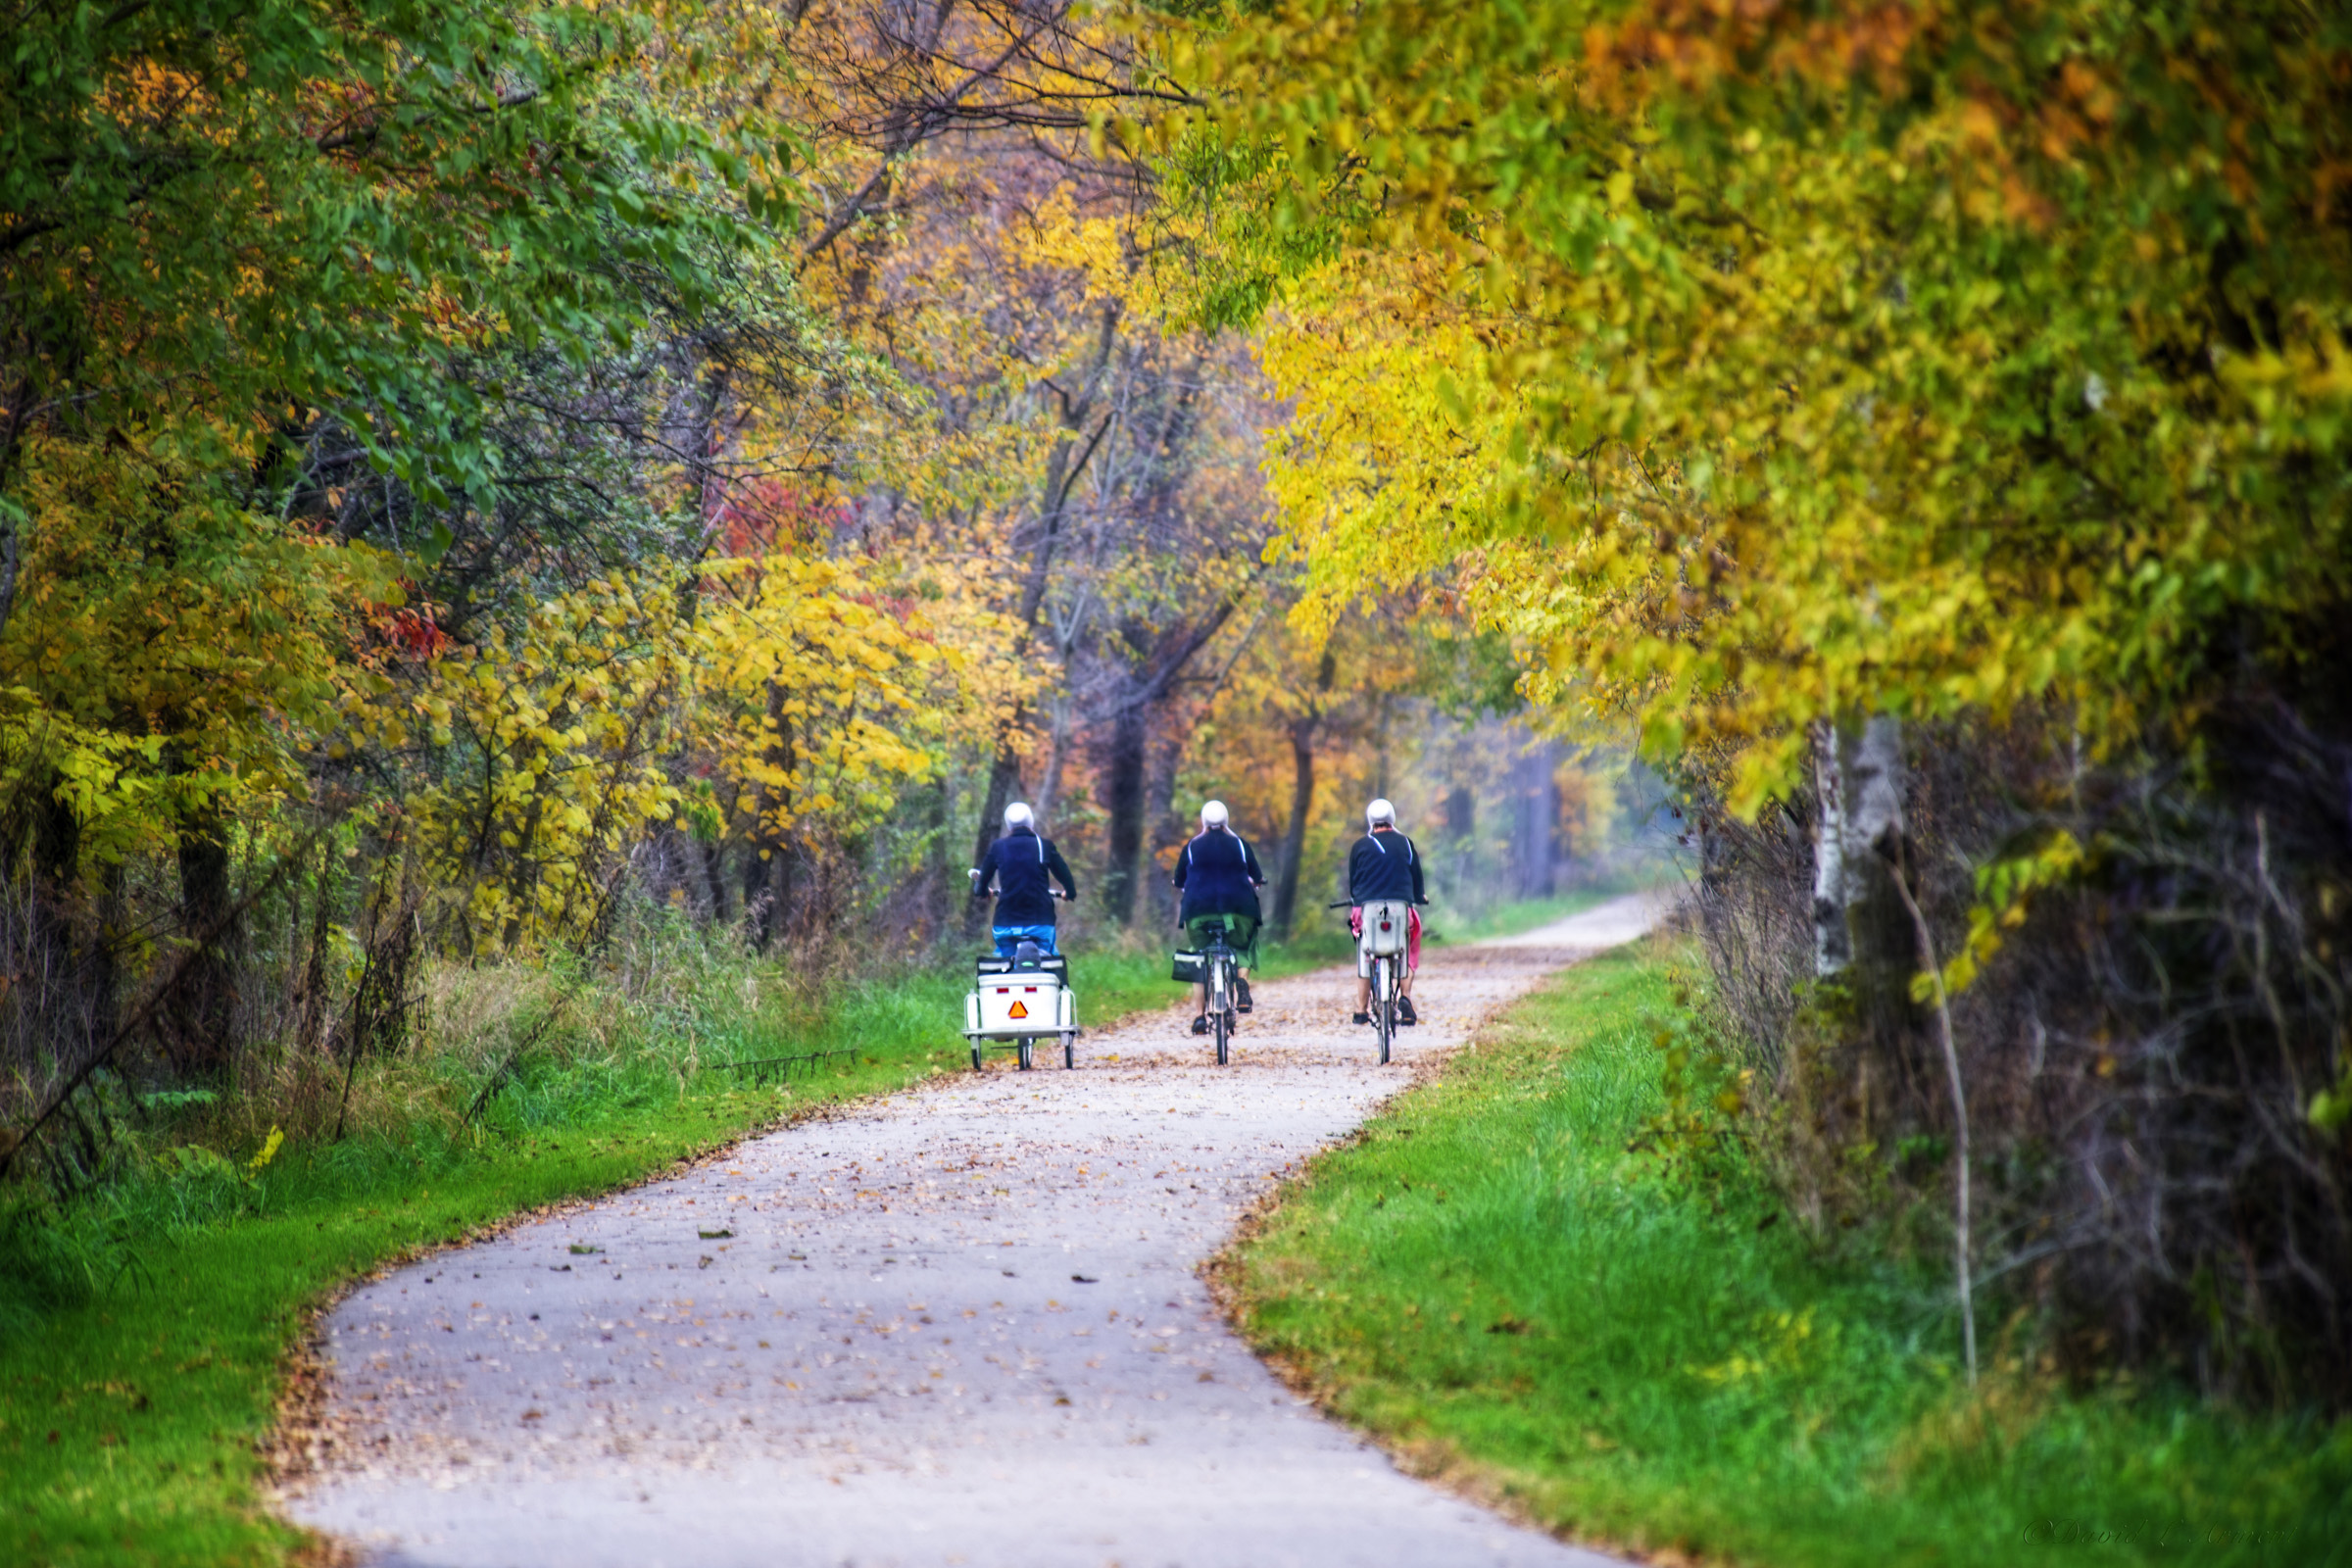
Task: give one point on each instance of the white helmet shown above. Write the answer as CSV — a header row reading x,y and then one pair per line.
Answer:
x,y
1213,814
1379,812
1018,815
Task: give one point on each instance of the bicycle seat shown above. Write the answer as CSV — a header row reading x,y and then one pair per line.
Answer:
x,y
1026,956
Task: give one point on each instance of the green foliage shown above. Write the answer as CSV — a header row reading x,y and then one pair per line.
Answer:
x,y
1487,1281
1766,366
1695,1132
220,223
255,260
157,615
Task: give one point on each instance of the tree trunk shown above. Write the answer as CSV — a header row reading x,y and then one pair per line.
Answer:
x,y
106,977
1001,775
1833,949
1460,813
1138,699
1861,927
1162,822
1063,465
1461,828
941,881
310,1025
1057,749
1294,832
714,873
203,1009
1303,795
56,1004
768,866
1537,802
1123,788
1871,933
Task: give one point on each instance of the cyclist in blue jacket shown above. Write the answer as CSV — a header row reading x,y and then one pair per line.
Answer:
x,y
1020,863
1219,876
1382,864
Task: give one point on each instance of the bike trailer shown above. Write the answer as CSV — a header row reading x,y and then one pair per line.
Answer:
x,y
1006,1004
1387,923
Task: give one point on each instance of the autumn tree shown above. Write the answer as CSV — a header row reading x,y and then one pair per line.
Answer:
x,y
1822,389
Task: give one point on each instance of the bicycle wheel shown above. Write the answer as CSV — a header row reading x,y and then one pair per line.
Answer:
x,y
1218,1026
1028,1044
1384,1006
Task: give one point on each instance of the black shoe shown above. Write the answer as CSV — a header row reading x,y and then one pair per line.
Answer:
x,y
1404,1011
1241,988
1201,1024
1363,1018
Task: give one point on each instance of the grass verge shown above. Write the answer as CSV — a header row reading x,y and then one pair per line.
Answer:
x,y
1490,1283
144,1333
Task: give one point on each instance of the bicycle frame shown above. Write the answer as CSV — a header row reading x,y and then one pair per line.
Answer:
x,y
1386,971
1218,965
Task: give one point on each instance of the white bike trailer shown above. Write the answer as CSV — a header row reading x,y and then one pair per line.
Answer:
x,y
1018,1001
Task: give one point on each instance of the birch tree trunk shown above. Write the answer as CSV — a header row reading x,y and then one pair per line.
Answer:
x,y
1870,932
1858,916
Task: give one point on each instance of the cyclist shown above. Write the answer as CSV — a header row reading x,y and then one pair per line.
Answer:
x,y
1219,877
1382,864
1020,863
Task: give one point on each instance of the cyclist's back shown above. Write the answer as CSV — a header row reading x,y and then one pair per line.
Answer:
x,y
1385,864
1383,867
1219,876
1024,865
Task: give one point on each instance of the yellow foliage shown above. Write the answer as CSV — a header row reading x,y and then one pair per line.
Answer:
x,y
809,697
169,649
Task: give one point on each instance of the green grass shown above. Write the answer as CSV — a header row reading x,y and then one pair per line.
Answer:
x,y
1492,1285
1119,984
144,1340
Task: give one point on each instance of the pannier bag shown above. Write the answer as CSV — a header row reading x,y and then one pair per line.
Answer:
x,y
1385,926
1187,969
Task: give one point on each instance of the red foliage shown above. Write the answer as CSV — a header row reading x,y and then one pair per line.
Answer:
x,y
762,516
413,633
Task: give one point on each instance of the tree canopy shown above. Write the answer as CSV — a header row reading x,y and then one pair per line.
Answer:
x,y
1782,362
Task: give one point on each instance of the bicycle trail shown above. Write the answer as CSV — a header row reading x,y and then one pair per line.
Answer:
x,y
956,1326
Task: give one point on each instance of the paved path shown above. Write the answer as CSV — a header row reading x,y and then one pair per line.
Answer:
x,y
961,1326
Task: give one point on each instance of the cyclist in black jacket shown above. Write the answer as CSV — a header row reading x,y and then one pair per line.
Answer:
x,y
1020,863
1219,876
1382,864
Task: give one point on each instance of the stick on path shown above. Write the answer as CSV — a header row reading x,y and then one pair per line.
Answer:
x,y
960,1325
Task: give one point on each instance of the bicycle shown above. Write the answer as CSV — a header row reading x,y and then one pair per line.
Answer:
x,y
1379,956
1218,966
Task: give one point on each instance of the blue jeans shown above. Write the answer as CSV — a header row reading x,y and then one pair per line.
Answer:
x,y
1010,937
